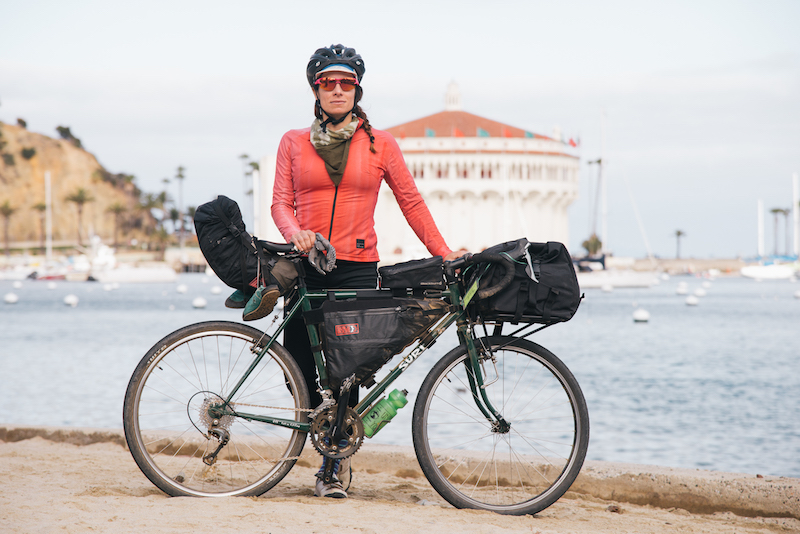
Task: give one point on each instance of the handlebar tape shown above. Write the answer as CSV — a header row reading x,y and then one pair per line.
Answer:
x,y
492,257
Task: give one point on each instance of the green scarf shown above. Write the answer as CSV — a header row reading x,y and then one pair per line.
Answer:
x,y
333,146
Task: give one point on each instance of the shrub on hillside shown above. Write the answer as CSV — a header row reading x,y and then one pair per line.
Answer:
x,y
28,153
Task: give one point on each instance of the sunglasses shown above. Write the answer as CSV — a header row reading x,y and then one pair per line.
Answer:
x,y
329,84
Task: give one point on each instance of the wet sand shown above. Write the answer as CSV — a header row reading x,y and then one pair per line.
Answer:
x,y
58,479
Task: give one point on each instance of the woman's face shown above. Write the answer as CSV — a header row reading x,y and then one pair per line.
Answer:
x,y
338,102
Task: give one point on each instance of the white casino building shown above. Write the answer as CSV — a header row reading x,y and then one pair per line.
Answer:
x,y
484,182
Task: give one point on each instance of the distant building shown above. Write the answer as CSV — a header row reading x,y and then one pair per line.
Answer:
x,y
485,182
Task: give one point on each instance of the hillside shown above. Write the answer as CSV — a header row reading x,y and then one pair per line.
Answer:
x,y
24,158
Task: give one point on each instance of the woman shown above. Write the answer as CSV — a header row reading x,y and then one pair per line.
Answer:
x,y
326,181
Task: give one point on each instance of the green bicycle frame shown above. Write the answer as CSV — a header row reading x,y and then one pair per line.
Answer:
x,y
425,341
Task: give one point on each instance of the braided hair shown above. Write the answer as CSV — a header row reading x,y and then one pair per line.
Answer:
x,y
358,112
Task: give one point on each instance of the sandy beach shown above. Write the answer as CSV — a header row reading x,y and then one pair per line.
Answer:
x,y
82,480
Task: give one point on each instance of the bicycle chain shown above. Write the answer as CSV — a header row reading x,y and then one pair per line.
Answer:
x,y
309,410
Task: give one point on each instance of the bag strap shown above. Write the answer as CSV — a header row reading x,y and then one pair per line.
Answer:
x,y
522,300
552,294
241,234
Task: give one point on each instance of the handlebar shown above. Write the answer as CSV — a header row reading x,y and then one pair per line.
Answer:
x,y
484,257
276,247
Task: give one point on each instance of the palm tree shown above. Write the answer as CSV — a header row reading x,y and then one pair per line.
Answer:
x,y
6,210
41,207
180,177
80,197
593,245
174,216
117,210
678,235
775,212
786,214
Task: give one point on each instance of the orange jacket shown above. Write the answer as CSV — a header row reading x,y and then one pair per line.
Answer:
x,y
305,198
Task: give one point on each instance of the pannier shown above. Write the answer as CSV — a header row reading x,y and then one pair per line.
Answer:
x,y
231,252
360,336
544,289
417,275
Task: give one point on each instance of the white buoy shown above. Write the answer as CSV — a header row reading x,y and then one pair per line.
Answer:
x,y
108,287
71,300
199,302
171,307
699,292
216,290
17,284
641,316
797,294
209,271
10,298
205,280
706,284
691,300
182,288
682,289
51,285
606,288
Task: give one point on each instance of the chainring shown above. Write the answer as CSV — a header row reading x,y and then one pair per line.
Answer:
x,y
321,433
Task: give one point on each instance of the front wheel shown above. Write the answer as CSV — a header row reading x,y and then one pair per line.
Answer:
x,y
520,464
183,435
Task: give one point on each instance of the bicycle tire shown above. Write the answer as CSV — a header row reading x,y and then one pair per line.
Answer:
x,y
517,471
165,413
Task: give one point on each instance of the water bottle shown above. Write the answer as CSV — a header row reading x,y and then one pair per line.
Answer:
x,y
380,414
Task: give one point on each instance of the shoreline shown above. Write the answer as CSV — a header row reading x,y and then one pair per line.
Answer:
x,y
694,491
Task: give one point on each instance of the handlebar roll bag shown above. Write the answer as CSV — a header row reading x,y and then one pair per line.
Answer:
x,y
360,336
544,289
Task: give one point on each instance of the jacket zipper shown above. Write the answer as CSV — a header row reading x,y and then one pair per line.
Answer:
x,y
333,210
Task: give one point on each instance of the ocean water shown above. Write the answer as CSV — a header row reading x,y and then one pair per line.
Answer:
x,y
714,386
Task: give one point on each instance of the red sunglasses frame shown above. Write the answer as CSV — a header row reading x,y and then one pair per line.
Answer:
x,y
347,84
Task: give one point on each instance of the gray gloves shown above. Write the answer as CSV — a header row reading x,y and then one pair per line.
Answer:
x,y
322,255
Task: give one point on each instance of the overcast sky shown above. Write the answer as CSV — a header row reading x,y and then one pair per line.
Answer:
x,y
701,99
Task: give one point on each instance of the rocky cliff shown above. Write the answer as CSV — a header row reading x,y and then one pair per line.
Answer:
x,y
24,158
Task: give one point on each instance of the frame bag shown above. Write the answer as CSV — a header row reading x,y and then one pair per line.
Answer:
x,y
360,336
544,289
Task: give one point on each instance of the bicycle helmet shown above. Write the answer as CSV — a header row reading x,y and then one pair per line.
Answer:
x,y
334,55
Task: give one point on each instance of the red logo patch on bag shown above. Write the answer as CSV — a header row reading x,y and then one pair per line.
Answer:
x,y
346,329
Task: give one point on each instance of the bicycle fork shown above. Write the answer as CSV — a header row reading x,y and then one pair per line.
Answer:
x,y
477,383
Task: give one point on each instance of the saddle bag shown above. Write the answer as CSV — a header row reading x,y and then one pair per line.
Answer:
x,y
360,336
544,289
232,253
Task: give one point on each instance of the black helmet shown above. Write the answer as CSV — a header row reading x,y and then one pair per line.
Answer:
x,y
334,55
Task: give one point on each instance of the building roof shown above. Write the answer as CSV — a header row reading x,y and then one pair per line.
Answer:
x,y
458,124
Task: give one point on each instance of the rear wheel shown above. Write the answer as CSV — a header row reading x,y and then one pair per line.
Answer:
x,y
173,416
520,467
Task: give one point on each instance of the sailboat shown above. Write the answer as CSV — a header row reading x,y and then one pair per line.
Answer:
x,y
595,271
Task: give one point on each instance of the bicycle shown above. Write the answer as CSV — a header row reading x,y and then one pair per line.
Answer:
x,y
221,408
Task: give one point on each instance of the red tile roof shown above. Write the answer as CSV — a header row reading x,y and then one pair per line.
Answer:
x,y
458,124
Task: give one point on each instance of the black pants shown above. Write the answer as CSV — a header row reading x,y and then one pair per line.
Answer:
x,y
347,275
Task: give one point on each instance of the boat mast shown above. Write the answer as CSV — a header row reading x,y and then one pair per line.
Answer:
x,y
602,189
796,213
48,218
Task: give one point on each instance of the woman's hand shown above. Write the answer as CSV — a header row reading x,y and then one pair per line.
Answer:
x,y
455,254
304,240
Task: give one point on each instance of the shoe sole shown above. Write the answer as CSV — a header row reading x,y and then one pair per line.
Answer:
x,y
235,304
265,307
